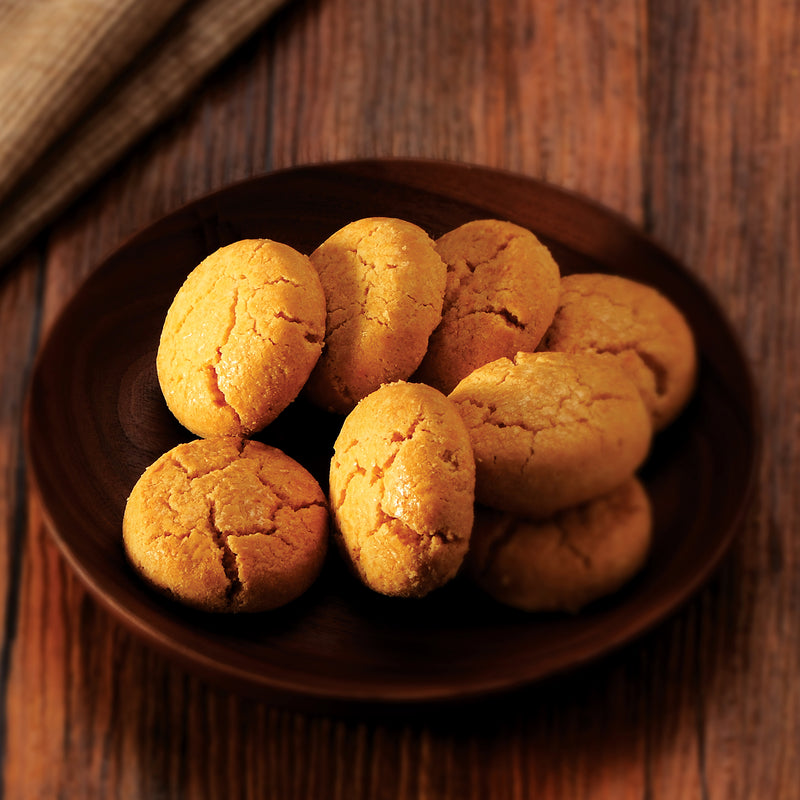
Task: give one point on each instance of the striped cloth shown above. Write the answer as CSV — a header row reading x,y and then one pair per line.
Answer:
x,y
82,80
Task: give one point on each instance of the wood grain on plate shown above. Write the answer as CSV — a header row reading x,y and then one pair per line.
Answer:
x,y
95,420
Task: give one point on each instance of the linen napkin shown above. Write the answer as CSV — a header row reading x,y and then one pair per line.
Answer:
x,y
82,80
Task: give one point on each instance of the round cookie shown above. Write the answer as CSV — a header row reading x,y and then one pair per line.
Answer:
x,y
402,490
384,283
241,337
227,525
563,563
601,313
502,292
550,430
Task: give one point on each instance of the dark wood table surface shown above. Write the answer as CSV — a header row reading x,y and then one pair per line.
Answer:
x,y
685,117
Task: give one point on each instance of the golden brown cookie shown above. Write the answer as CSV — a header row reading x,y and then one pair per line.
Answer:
x,y
226,524
502,292
563,563
402,490
384,283
241,337
600,313
550,430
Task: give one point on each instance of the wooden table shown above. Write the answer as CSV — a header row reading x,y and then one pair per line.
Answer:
x,y
684,117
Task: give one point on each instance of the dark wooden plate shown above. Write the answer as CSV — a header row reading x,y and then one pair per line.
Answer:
x,y
95,419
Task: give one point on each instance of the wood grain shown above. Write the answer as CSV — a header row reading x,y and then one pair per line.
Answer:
x,y
683,116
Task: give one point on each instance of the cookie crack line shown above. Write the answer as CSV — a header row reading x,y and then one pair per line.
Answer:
x,y
226,334
377,472
565,541
179,325
368,266
420,303
261,243
213,368
531,429
230,563
651,362
175,461
508,316
473,266
385,518
286,499
351,475
286,317
352,313
278,279
216,390
398,438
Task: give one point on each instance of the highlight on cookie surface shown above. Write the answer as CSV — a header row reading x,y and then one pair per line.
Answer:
x,y
638,325
227,525
402,490
567,561
241,337
550,430
384,285
502,292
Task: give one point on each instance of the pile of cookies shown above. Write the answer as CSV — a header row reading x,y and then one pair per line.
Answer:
x,y
493,417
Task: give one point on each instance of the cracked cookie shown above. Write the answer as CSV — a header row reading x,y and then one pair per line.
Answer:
x,y
550,430
563,563
226,525
241,338
402,490
502,292
384,285
601,313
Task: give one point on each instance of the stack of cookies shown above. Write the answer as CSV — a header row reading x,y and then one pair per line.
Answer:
x,y
494,415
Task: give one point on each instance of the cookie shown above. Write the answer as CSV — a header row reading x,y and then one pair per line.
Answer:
x,y
402,490
502,292
227,525
551,430
384,283
241,338
568,561
600,313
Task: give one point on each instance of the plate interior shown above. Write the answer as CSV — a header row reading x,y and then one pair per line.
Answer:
x,y
95,420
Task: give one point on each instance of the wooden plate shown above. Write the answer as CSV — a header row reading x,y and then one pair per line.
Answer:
x,y
95,419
